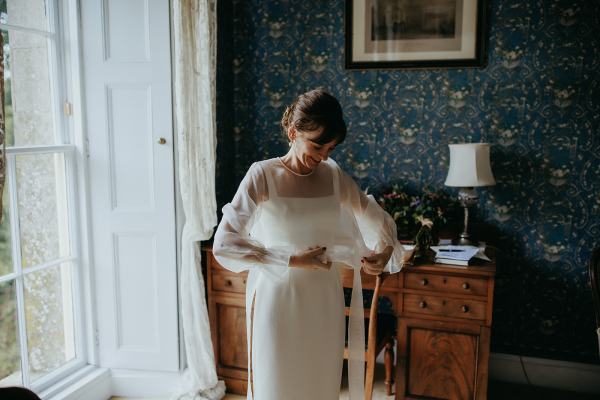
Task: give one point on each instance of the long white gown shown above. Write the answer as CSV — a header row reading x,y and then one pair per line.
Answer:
x,y
297,331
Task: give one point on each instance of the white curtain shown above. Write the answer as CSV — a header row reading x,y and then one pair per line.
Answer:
x,y
195,27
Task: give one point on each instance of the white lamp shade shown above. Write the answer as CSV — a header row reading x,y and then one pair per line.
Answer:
x,y
470,165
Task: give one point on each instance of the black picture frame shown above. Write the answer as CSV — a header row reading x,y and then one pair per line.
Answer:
x,y
358,19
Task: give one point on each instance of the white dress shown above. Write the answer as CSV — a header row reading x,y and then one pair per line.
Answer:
x,y
297,330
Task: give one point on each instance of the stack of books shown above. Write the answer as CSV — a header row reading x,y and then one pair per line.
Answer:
x,y
459,255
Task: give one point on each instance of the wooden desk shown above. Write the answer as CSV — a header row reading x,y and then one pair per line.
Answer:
x,y
444,322
444,326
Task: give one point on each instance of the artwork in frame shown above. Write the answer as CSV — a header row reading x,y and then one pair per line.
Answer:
x,y
415,33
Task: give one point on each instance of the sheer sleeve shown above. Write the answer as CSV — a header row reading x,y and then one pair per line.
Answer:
x,y
376,225
233,247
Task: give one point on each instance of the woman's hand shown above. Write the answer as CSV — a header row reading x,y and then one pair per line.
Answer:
x,y
310,259
375,263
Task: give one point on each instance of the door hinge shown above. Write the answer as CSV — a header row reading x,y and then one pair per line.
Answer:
x,y
68,108
97,338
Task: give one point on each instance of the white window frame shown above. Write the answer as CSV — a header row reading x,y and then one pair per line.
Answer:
x,y
64,63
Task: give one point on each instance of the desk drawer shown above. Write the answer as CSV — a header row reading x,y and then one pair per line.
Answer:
x,y
445,307
368,281
229,282
444,283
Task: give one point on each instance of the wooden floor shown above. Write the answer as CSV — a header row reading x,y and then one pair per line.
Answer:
x,y
497,391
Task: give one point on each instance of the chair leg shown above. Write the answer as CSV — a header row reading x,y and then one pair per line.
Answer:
x,y
369,377
389,366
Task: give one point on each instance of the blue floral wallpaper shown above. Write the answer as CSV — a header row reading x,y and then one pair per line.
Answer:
x,y
537,102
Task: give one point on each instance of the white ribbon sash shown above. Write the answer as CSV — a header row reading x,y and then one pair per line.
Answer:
x,y
356,340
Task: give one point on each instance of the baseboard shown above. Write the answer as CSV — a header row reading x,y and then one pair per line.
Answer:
x,y
135,383
555,374
90,383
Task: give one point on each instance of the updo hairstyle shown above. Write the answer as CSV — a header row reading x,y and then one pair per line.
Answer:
x,y
313,110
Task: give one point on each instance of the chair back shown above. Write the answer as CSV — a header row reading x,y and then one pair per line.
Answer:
x,y
373,345
372,333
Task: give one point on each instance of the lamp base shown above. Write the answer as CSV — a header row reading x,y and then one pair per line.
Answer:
x,y
464,240
468,197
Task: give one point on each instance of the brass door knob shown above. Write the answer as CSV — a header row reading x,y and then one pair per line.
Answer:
x,y
162,140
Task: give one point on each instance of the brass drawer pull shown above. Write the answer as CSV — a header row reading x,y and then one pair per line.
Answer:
x,y
424,281
228,282
465,309
466,286
423,304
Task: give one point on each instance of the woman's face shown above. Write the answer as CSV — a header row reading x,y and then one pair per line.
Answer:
x,y
307,150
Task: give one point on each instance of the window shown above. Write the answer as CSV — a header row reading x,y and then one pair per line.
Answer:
x,y
41,327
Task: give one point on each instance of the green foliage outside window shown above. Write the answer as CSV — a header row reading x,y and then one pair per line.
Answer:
x,y
9,347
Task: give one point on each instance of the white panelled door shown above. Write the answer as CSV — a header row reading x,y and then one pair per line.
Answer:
x,y
127,70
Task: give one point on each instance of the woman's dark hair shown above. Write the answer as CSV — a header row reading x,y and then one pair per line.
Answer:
x,y
313,110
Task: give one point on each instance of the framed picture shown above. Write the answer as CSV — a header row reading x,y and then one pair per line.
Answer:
x,y
415,33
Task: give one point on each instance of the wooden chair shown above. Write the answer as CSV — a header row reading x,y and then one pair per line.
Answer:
x,y
594,272
380,334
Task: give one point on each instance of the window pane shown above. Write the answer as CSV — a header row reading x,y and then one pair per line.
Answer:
x,y
49,319
6,263
10,360
9,137
24,13
28,96
41,198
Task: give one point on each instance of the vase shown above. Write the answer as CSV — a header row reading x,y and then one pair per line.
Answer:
x,y
423,242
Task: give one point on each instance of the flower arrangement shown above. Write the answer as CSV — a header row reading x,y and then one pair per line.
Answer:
x,y
419,217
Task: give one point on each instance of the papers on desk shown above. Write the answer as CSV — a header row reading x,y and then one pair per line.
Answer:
x,y
458,255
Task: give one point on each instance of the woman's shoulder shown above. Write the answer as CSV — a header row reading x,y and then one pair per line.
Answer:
x,y
334,166
262,165
344,177
331,162
268,162
257,169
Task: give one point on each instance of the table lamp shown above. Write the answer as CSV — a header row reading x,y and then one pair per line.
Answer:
x,y
469,168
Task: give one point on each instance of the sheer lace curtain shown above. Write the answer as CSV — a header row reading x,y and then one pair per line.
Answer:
x,y
194,23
